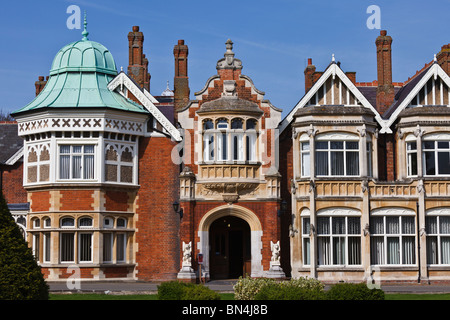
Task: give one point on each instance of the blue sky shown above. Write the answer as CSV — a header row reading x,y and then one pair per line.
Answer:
x,y
273,39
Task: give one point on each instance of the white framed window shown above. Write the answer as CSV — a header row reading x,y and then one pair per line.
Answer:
x,y
438,239
436,157
305,158
107,247
36,245
47,246
67,247
392,240
85,247
121,245
369,159
47,223
76,162
339,240
337,158
306,241
411,156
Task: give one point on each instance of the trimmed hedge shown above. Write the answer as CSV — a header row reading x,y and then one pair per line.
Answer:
x,y
354,291
175,290
302,289
269,289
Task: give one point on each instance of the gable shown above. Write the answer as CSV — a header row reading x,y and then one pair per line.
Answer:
x,y
146,99
430,88
332,88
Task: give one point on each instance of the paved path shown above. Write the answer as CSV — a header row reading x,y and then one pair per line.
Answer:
x,y
137,287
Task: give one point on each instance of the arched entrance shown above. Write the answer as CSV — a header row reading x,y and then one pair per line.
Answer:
x,y
230,249
246,222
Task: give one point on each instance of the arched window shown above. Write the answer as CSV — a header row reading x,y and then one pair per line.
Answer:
x,y
67,222
236,123
85,223
208,124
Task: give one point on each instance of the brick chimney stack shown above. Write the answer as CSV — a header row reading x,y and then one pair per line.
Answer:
x,y
385,90
309,75
138,64
40,84
443,58
181,79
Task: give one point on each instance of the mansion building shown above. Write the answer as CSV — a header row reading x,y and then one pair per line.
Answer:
x,y
352,185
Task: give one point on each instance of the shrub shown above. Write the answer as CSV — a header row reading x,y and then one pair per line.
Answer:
x,y
200,292
353,291
246,288
20,275
294,289
175,290
288,292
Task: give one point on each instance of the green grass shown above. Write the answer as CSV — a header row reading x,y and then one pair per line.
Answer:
x,y
414,296
224,296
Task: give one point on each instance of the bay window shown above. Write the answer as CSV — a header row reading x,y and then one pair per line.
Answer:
x,y
229,140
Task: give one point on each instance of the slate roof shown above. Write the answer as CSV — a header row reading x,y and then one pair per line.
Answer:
x,y
10,142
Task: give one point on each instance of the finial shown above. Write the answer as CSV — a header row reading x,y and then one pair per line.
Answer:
x,y
85,33
332,57
121,68
435,59
167,84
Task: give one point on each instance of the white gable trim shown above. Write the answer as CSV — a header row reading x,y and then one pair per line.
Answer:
x,y
15,157
333,70
147,101
434,71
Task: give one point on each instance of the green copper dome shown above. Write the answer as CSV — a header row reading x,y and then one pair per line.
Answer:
x,y
84,55
79,78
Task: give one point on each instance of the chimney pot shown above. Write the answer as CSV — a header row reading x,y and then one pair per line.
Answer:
x,y
41,78
135,28
309,61
180,42
383,32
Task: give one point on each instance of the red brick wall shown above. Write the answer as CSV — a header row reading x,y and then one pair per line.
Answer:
x,y
157,224
116,201
12,183
76,200
40,201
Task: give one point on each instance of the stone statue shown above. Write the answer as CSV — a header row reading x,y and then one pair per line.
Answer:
x,y
275,247
187,254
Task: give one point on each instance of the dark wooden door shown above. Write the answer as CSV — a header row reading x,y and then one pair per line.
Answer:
x,y
229,247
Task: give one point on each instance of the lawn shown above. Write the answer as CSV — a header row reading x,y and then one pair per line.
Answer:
x,y
224,296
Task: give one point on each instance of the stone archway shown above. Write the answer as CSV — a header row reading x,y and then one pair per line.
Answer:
x,y
255,236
